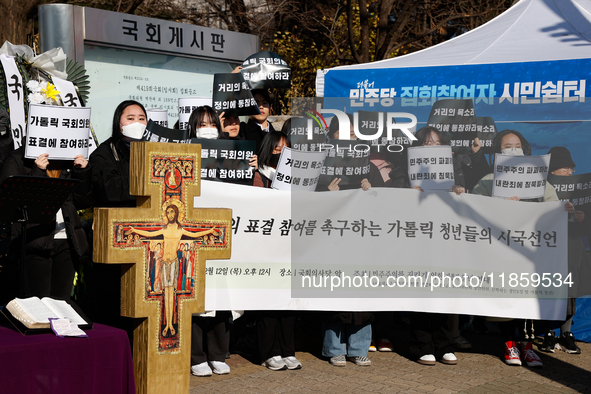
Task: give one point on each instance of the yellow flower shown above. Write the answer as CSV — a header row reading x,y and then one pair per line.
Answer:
x,y
50,92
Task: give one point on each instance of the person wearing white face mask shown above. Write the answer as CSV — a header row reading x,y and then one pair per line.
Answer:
x,y
204,123
517,348
210,331
511,142
110,179
110,161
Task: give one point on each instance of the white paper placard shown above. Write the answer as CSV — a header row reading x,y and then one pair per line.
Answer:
x,y
521,176
60,131
298,170
158,116
431,167
188,105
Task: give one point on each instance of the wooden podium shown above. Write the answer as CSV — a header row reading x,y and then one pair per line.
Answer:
x,y
166,241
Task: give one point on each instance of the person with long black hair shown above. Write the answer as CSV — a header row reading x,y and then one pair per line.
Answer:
x,y
268,157
110,161
110,179
275,329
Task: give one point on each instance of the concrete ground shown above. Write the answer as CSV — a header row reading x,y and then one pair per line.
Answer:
x,y
479,370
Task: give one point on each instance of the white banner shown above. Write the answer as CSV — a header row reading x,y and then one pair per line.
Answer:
x,y
60,131
158,116
188,105
16,99
521,176
368,251
298,170
431,167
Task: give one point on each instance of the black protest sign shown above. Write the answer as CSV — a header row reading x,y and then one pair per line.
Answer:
x,y
455,119
156,133
265,70
232,96
226,160
346,162
576,189
298,134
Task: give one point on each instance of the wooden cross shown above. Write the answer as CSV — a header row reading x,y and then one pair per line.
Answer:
x,y
164,243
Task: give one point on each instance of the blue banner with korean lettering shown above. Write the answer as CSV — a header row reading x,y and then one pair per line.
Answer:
x,y
548,90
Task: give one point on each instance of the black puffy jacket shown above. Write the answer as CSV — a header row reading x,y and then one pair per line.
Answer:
x,y
40,236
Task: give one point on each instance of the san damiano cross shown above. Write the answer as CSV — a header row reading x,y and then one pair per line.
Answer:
x,y
164,242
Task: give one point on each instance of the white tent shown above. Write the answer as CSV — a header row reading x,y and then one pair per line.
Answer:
x,y
530,31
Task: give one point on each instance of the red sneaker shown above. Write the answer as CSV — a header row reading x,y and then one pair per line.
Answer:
x,y
529,356
511,354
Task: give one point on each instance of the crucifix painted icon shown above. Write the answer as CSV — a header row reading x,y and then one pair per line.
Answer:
x,y
167,241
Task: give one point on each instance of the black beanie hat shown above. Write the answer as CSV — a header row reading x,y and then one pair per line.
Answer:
x,y
560,158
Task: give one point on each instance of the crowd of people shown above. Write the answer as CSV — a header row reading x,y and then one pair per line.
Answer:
x,y
53,250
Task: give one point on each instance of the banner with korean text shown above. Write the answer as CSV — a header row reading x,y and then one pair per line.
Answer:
x,y
391,250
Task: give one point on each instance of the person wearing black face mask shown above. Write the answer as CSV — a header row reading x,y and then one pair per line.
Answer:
x,y
268,158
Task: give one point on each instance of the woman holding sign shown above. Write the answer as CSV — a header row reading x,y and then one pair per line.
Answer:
x,y
210,331
431,334
275,329
52,249
562,164
110,177
204,123
269,154
511,142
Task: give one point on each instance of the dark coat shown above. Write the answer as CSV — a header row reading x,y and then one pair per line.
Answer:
x,y
40,236
253,132
110,174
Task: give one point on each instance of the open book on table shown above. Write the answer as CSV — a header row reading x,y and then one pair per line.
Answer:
x,y
34,313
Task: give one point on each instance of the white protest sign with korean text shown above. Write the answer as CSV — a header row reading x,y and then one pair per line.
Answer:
x,y
16,98
431,167
471,254
298,170
69,96
188,105
521,176
60,131
158,116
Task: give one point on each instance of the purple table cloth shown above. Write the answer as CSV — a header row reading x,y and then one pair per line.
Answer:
x,y
44,363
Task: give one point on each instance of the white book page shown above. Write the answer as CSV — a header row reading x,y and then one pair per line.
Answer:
x,y
62,309
33,306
